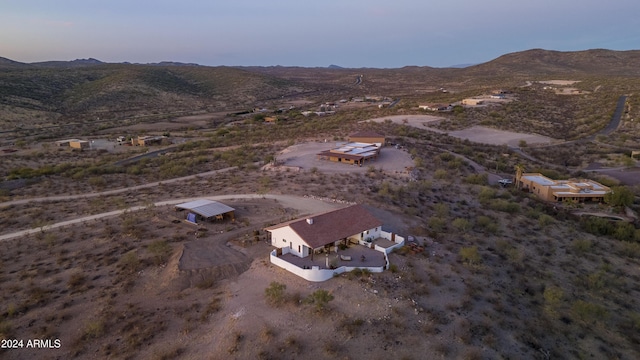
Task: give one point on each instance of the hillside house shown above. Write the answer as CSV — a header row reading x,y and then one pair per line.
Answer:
x,y
579,190
325,231
346,239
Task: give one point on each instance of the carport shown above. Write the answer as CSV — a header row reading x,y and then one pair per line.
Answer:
x,y
207,209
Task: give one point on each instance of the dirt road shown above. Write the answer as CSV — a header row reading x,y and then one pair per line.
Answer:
x,y
304,205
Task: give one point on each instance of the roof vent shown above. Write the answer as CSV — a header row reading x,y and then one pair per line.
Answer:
x,y
310,221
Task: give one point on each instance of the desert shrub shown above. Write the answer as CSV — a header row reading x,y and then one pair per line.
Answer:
x,y
160,251
237,341
320,299
581,246
5,329
624,231
94,329
597,225
275,293
631,250
441,209
486,194
462,225
545,220
619,196
440,174
553,296
477,179
587,311
446,157
130,262
437,224
470,255
76,280
213,307
504,206
488,224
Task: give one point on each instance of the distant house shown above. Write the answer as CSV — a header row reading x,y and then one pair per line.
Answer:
x,y
354,153
472,101
74,143
435,107
365,136
79,144
560,190
147,140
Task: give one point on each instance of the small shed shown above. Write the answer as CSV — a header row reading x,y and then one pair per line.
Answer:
x,y
208,209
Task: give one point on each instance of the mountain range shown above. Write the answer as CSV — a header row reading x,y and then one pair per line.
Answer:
x,y
86,86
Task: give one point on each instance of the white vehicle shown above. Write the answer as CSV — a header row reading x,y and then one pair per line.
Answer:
x,y
505,182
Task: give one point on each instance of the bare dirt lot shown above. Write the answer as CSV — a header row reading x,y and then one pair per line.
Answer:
x,y
477,134
485,135
303,156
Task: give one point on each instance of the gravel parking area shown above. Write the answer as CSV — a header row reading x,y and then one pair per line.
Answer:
x,y
304,156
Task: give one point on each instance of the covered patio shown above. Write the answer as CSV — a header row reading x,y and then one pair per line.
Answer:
x,y
360,256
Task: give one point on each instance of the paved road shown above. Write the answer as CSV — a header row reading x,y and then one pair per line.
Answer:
x,y
304,205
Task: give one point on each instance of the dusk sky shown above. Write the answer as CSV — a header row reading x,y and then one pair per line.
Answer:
x,y
348,33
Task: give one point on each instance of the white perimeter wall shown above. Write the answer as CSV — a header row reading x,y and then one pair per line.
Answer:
x,y
285,236
316,274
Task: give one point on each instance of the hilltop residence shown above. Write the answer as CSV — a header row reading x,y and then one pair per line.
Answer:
x,y
354,153
320,246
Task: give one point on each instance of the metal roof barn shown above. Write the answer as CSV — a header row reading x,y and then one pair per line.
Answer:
x,y
207,208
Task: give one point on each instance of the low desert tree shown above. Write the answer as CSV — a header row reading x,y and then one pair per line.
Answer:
x,y
274,294
619,196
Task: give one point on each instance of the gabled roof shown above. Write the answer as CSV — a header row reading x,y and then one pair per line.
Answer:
x,y
206,208
366,134
332,226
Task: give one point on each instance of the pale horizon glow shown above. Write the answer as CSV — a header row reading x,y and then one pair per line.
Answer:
x,y
355,33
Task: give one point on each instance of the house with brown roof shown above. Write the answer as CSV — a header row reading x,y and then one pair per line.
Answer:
x,y
324,231
300,242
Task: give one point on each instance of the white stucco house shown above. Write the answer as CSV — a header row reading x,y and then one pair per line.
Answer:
x,y
342,240
326,230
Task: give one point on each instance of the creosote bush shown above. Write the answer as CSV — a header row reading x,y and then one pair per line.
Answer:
x,y
275,293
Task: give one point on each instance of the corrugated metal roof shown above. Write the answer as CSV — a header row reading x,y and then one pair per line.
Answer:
x,y
206,208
